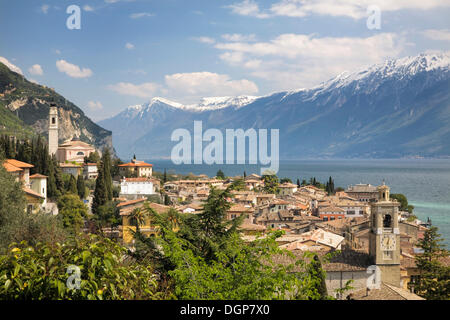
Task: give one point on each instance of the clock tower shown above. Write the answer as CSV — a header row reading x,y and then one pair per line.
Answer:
x,y
384,237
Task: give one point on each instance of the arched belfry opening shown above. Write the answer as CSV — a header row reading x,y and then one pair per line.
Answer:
x,y
387,221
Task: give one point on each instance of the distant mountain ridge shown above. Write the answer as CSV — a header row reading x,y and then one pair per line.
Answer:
x,y
399,108
24,108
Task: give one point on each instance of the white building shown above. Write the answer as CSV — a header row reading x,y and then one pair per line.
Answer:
x,y
138,187
38,184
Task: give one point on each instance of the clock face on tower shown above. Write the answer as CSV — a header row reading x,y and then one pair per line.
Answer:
x,y
388,242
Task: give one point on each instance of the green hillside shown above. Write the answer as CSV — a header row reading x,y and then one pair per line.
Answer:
x,y
24,108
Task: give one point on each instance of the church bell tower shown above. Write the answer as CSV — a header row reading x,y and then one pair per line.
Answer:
x,y
384,237
53,129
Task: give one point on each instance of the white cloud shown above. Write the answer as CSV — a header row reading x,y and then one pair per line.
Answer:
x,y
44,8
347,8
72,70
11,66
95,105
208,83
204,40
291,61
236,37
144,90
36,70
88,8
248,8
129,46
437,34
141,15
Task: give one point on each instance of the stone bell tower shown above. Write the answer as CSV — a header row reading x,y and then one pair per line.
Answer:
x,y
53,129
384,237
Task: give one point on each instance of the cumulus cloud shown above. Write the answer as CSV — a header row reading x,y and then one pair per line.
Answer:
x,y
207,40
36,70
248,8
88,8
347,8
44,8
437,34
208,83
95,105
11,66
290,61
236,37
129,46
144,90
73,70
139,15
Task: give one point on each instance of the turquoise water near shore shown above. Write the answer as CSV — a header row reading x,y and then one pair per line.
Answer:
x,y
425,182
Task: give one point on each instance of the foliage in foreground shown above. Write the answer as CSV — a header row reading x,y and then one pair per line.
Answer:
x,y
203,257
106,272
433,282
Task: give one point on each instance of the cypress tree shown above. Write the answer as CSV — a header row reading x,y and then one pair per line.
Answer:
x,y
106,161
81,187
73,185
100,196
298,183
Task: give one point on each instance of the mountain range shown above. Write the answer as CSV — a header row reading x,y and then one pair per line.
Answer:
x,y
396,109
24,108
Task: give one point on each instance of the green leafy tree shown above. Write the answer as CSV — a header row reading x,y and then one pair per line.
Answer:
x,y
220,175
238,185
270,183
284,180
72,211
404,206
40,272
433,282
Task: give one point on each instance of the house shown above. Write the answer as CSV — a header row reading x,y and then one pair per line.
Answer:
x,y
363,192
316,240
36,197
237,210
287,189
139,168
74,169
132,188
331,213
19,169
127,209
74,150
39,185
191,208
90,171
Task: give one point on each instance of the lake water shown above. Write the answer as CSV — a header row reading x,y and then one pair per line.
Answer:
x,y
426,183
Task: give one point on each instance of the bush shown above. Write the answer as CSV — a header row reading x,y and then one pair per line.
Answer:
x,y
41,271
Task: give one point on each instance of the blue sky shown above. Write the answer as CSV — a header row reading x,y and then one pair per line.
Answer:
x,y
128,51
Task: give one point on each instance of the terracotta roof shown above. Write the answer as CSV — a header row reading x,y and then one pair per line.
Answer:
x,y
386,292
331,209
19,164
140,179
10,168
239,208
137,164
252,227
32,193
127,203
38,176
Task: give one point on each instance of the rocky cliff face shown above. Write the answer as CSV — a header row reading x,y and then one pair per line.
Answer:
x,y
31,103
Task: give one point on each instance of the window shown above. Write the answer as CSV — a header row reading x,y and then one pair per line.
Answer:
x,y
53,120
387,221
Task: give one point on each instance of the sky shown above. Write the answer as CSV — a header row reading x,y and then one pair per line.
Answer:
x,y
126,52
